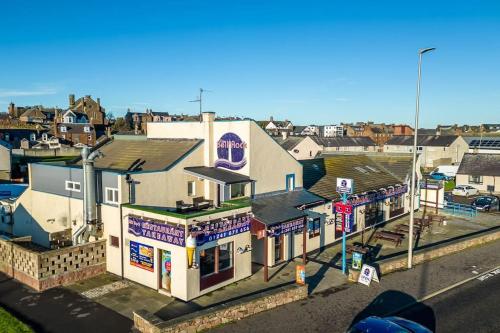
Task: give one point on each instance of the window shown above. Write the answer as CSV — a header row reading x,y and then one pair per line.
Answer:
x,y
475,180
216,259
314,227
290,182
237,190
44,136
111,195
114,241
86,129
63,129
191,188
73,186
32,137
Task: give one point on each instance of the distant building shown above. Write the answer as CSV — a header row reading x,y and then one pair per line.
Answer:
x,y
276,127
403,130
482,145
5,160
380,133
481,171
91,108
15,136
329,131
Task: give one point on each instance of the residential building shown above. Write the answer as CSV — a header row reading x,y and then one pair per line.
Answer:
x,y
310,130
76,134
37,114
15,136
5,160
485,144
435,150
276,127
91,108
403,129
329,131
380,133
481,171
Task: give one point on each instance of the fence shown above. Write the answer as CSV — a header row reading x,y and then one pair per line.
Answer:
x,y
460,209
48,269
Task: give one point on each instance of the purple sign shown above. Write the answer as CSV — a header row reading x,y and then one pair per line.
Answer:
x,y
231,152
156,230
285,227
218,229
366,199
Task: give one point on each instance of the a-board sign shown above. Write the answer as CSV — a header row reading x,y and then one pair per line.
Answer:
x,y
357,260
368,273
300,274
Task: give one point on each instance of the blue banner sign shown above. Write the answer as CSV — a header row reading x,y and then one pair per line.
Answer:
x,y
381,195
142,256
285,227
218,229
157,230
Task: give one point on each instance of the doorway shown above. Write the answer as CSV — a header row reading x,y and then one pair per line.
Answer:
x,y
278,249
165,271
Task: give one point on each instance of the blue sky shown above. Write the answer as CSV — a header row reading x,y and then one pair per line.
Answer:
x,y
307,61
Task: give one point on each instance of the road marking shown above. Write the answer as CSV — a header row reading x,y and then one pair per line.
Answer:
x,y
488,275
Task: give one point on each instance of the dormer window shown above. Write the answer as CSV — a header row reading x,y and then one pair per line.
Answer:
x,y
69,119
32,137
86,129
44,136
63,129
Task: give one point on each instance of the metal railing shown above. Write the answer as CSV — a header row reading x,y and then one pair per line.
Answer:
x,y
460,209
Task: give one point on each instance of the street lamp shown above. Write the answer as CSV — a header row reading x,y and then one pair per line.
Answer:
x,y
414,166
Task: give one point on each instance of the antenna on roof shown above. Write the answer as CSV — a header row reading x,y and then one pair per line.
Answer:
x,y
200,99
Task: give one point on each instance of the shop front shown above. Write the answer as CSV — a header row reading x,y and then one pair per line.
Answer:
x,y
186,258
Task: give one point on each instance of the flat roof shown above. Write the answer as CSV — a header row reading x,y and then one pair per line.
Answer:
x,y
217,175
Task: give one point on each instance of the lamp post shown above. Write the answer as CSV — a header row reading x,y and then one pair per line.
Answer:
x,y
414,166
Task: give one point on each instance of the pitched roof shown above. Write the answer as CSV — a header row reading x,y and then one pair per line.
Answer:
x,y
480,165
320,175
290,142
487,142
143,155
423,140
398,166
75,128
344,141
282,207
35,112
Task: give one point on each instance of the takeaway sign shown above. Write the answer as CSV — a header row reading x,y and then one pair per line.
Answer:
x,y
156,230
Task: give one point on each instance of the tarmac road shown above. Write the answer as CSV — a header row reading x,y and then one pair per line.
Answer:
x,y
472,307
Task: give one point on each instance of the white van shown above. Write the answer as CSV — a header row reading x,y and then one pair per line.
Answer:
x,y
448,170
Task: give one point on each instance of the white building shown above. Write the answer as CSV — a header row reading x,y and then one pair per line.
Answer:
x,y
332,131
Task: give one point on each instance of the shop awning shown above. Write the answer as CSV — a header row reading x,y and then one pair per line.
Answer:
x,y
283,207
220,176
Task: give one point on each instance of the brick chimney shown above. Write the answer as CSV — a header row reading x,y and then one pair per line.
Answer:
x,y
98,100
71,100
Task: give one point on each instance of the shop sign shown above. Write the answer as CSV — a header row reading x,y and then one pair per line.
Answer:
x,y
156,230
344,185
367,275
218,229
357,260
142,256
286,227
231,152
366,199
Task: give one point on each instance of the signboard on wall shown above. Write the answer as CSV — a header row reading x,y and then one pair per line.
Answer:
x,y
231,152
156,230
285,227
142,256
366,199
222,228
344,185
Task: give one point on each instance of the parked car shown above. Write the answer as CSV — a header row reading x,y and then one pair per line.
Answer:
x,y
439,176
487,203
387,325
465,190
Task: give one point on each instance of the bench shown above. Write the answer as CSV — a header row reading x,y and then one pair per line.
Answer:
x,y
200,203
405,228
357,248
394,237
437,218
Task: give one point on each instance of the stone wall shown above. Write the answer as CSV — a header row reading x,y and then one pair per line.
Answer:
x,y
220,314
423,255
44,270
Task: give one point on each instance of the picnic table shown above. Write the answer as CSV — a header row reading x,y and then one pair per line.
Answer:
x,y
390,236
350,248
424,222
436,218
405,228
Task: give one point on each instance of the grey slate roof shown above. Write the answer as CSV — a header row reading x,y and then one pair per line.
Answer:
x,y
344,141
290,142
218,175
422,140
480,165
282,207
143,155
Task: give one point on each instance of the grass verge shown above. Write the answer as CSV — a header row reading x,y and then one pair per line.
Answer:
x,y
10,324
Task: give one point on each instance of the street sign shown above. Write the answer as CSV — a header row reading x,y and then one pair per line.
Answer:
x,y
344,185
368,273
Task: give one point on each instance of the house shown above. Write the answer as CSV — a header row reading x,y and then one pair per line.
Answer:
x,y
5,160
32,114
403,129
73,133
481,171
308,147
379,133
276,127
91,108
485,144
15,136
192,198
310,130
435,150
329,131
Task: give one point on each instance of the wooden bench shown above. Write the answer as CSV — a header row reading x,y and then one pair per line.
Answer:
x,y
390,236
437,218
357,248
405,228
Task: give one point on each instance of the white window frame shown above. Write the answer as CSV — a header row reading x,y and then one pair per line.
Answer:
x,y
114,200
86,129
63,129
193,188
70,186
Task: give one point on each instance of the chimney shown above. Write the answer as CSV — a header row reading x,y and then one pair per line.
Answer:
x,y
12,108
208,136
271,118
98,100
71,100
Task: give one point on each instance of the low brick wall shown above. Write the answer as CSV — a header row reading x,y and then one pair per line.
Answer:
x,y
221,314
423,255
44,270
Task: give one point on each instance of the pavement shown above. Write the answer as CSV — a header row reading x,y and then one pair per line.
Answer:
x,y
334,310
469,308
59,310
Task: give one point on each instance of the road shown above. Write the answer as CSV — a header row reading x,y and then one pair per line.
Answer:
x,y
336,310
472,307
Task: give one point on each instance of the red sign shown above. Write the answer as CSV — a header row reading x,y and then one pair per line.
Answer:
x,y
342,208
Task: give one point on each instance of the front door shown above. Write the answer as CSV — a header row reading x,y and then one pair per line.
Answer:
x,y
165,259
278,248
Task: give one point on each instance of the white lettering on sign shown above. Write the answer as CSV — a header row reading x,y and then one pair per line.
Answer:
x,y
367,274
488,275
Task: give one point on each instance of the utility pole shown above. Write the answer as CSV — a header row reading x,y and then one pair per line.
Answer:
x,y
200,100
